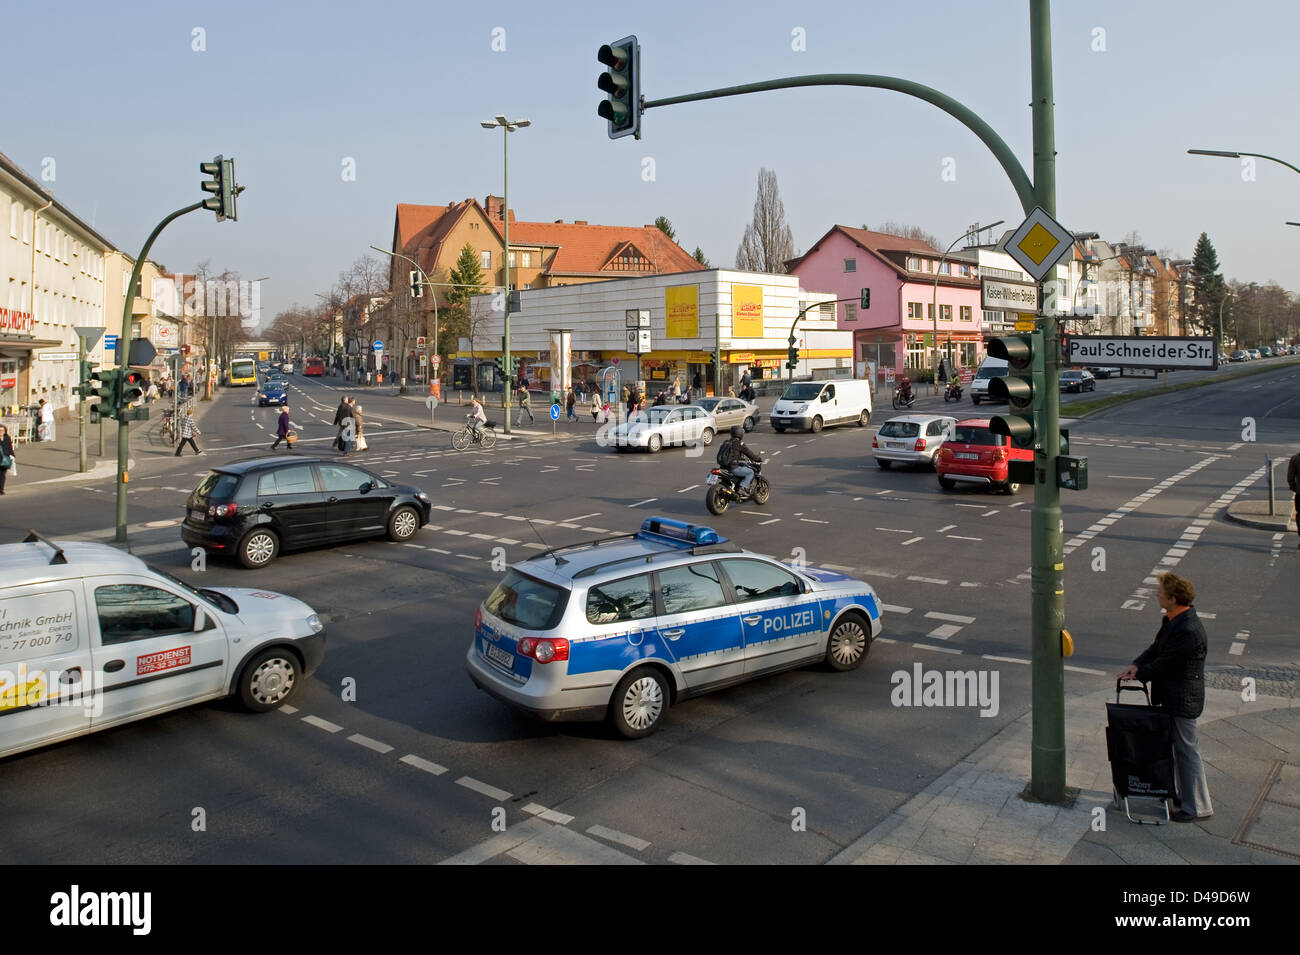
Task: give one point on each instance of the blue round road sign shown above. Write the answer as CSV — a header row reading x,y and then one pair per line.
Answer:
x,y
555,412
379,346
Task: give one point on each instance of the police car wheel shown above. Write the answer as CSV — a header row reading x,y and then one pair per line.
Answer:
x,y
258,548
269,679
848,643
403,524
639,703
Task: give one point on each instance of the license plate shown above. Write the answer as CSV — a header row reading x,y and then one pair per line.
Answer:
x,y
196,515
897,444
498,655
967,456
713,479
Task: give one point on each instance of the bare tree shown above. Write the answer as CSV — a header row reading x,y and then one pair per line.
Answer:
x,y
890,227
768,242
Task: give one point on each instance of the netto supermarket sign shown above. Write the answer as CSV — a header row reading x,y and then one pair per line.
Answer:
x,y
1142,351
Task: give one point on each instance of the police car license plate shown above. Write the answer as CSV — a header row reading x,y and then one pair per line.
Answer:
x,y
713,479
497,655
967,456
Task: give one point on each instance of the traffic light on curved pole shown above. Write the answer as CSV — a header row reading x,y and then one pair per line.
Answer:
x,y
1018,388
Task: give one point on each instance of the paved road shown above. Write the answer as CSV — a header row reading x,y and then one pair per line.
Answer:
x,y
415,768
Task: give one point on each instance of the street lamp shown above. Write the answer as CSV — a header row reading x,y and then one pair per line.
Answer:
x,y
432,294
1229,154
507,127
934,303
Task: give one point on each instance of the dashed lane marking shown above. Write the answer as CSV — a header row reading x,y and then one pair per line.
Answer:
x,y
469,782
550,815
926,646
955,537
927,580
944,631
950,617
912,541
622,838
682,858
947,527
325,725
1239,644
649,500
369,743
423,764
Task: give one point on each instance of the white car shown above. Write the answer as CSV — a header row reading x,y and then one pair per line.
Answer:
x,y
911,439
665,425
287,368
91,637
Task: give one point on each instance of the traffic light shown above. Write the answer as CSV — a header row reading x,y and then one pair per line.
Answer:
x,y
88,374
866,299
622,106
417,290
133,386
102,393
1024,357
222,186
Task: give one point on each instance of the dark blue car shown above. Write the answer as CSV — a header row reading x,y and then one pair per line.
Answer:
x,y
272,393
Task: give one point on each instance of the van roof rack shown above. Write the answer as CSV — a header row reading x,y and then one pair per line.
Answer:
x,y
33,537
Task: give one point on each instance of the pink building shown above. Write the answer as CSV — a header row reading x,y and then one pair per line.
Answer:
x,y
897,331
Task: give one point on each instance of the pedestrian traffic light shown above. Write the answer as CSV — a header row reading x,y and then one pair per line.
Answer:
x,y
866,299
621,82
133,386
102,393
417,290
1019,387
221,186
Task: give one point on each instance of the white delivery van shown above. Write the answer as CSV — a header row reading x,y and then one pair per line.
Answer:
x,y
91,637
812,405
989,369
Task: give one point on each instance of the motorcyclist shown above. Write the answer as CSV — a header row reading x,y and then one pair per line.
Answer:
x,y
733,454
905,388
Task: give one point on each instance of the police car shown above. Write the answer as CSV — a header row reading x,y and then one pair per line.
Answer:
x,y
623,627
91,637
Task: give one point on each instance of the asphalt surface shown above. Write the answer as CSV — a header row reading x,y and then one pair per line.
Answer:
x,y
420,766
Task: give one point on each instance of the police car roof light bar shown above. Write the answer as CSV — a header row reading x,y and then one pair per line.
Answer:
x,y
33,537
679,532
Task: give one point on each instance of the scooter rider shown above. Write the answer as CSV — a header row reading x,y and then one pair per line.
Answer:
x,y
733,454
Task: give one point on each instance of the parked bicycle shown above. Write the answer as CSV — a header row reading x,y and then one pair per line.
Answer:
x,y
485,437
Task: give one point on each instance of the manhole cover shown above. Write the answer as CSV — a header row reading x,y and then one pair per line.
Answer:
x,y
1273,821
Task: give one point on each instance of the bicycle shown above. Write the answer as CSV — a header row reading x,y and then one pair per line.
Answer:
x,y
486,437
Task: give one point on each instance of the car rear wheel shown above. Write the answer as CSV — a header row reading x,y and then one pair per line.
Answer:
x,y
816,424
654,444
848,643
269,679
403,524
706,438
258,548
639,704
974,399
947,483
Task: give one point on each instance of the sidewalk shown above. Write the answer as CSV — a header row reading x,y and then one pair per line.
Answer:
x,y
974,812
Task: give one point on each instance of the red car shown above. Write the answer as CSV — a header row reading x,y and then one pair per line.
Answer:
x,y
975,455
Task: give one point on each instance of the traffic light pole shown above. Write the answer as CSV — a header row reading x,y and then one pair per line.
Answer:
x,y
123,360
81,408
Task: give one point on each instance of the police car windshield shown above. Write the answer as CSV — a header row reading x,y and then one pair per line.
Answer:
x,y
525,602
802,391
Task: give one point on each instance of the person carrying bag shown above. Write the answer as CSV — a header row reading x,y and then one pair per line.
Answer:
x,y
8,463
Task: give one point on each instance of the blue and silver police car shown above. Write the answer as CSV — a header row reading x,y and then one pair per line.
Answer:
x,y
623,627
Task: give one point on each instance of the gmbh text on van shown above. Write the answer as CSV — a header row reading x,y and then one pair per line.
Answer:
x,y
812,405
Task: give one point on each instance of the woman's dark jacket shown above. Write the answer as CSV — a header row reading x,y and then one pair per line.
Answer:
x,y
1175,665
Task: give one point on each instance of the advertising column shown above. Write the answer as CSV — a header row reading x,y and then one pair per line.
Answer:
x,y
561,359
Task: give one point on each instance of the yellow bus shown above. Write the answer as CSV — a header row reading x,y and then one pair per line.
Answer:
x,y
243,371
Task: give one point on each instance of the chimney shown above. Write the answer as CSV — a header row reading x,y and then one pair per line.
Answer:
x,y
559,222
495,207
579,221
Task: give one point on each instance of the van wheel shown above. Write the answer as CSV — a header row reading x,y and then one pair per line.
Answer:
x,y
864,418
258,548
403,524
816,424
269,679
639,703
848,643
947,483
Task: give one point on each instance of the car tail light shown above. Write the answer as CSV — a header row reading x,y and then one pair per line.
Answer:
x,y
478,618
945,453
1001,454
920,445
223,510
874,443
548,650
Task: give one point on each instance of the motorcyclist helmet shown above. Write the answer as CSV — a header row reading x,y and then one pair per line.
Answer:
x,y
737,432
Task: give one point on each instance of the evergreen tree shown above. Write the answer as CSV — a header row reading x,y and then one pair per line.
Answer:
x,y
699,257
666,227
1208,286
466,279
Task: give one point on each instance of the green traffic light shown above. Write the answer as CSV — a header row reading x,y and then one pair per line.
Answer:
x,y
621,108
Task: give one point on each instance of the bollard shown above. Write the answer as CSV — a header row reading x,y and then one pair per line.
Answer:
x,y
1268,463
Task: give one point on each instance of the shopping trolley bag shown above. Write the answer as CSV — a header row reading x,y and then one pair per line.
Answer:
x,y
1140,747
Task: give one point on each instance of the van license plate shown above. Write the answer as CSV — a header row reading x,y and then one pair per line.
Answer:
x,y
967,456
500,656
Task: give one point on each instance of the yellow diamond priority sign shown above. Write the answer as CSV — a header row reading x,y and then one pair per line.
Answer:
x,y
1039,244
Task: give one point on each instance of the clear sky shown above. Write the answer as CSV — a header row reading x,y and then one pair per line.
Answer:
x,y
119,98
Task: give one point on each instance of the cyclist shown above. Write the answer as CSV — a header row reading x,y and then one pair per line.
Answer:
x,y
732,456
476,418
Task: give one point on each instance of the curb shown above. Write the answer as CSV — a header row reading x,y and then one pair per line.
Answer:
x,y
1262,522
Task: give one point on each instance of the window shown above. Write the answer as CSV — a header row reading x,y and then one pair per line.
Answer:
x,y
526,602
136,612
850,265
936,429
913,309
850,312
511,260
691,587
965,313
295,480
945,268
485,260
336,477
945,313
621,600
27,227
15,215
757,580
900,429
913,263
527,259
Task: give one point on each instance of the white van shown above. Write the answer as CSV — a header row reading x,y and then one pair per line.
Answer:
x,y
812,405
91,637
989,369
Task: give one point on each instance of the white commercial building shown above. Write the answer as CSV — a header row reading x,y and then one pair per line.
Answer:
x,y
689,326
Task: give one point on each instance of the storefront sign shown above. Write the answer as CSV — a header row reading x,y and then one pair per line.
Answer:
x,y
747,311
740,358
768,362
682,311
12,321
8,383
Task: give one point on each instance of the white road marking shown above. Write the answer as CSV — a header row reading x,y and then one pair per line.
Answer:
x,y
325,725
1087,670
423,764
988,513
952,617
956,537
1129,477
469,782
369,743
928,580
912,541
944,631
946,527
622,838
649,500
892,530
926,646
550,815
683,491
681,858
989,656
573,520
771,521
809,520
893,608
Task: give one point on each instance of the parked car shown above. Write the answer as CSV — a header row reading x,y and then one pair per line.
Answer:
x,y
1255,354
731,411
98,638
654,428
623,628
1265,351
911,439
1239,355
975,455
255,509
1077,380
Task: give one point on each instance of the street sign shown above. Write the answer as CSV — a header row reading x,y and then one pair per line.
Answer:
x,y
1142,351
90,334
999,295
555,412
141,353
1025,322
1039,243
59,356
431,402
421,341
436,359
110,341
378,346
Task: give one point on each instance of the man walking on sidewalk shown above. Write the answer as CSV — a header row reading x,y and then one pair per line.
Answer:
x,y
1293,482
525,407
189,431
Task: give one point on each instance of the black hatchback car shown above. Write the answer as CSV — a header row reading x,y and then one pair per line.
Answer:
x,y
254,509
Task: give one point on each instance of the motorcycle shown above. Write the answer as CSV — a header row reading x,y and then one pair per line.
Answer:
x,y
953,391
725,489
904,401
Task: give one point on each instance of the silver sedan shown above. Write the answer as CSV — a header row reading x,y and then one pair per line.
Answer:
x,y
731,411
655,427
